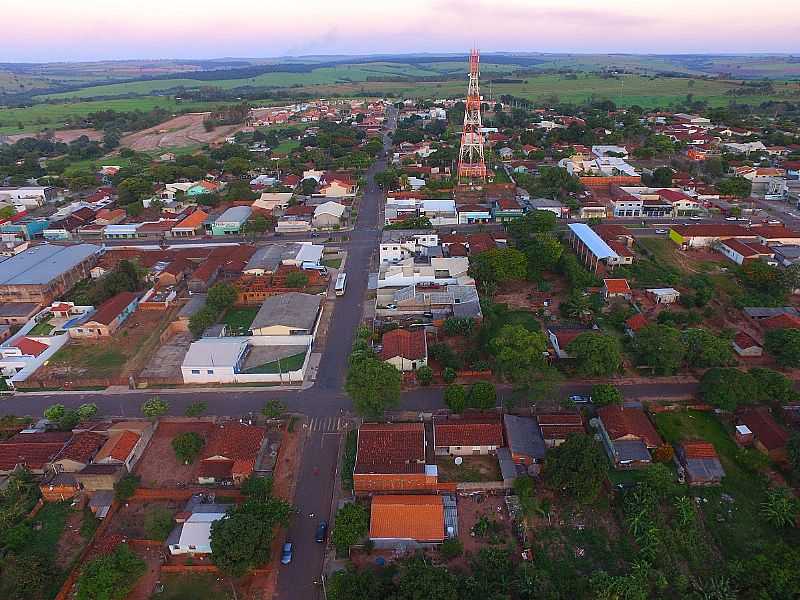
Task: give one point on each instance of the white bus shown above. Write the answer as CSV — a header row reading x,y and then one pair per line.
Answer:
x,y
341,284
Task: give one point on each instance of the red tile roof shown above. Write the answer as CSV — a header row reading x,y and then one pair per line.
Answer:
x,y
748,249
765,429
194,220
30,347
111,308
34,450
636,322
407,517
617,286
82,447
782,321
119,446
698,449
621,422
406,343
391,448
714,231
471,431
557,426
235,442
745,340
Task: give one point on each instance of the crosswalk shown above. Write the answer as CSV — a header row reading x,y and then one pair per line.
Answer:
x,y
326,424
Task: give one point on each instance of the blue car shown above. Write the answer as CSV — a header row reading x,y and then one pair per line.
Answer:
x,y
286,555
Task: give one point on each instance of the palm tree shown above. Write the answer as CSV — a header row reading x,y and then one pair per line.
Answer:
x,y
685,509
779,508
715,588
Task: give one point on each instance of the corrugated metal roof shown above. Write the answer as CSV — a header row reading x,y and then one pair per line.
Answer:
x,y
42,264
592,241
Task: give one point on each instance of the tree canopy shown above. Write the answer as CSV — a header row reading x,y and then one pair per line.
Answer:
x,y
578,467
110,577
660,347
374,386
596,354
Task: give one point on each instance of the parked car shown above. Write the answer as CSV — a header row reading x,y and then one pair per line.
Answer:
x,y
774,222
661,231
391,306
695,218
580,399
322,531
730,218
286,555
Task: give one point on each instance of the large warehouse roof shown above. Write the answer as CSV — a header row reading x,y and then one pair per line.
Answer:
x,y
41,264
592,241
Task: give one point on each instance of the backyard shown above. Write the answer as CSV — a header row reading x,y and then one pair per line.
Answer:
x,y
472,469
195,586
283,365
239,319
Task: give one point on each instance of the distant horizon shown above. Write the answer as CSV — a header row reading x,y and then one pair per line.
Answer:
x,y
49,31
400,54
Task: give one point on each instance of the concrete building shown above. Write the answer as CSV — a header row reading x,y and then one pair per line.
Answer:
x,y
42,273
29,196
110,315
405,349
328,215
230,222
400,244
289,314
267,259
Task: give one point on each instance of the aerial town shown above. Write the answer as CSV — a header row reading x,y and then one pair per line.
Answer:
x,y
460,345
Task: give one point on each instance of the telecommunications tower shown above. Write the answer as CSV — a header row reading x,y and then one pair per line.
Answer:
x,y
471,165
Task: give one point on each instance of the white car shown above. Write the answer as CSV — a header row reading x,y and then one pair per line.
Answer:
x,y
661,231
695,218
774,222
730,218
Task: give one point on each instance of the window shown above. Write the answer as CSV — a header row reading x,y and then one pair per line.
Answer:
x,y
210,371
195,371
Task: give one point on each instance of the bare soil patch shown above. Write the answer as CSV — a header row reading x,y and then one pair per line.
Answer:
x,y
158,467
184,130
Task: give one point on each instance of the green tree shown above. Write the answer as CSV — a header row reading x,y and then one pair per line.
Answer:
x,y
296,279
125,488
241,540
451,548
455,397
738,187
420,580
704,349
350,526
662,177
596,354
482,396
196,409
784,345
221,296
449,374
357,584
605,394
187,446
154,407
273,409
793,451
257,488
87,411
158,523
578,467
202,320
727,388
519,353
54,412
499,265
110,577
374,387
69,420
660,347
772,387
134,189
236,166
424,375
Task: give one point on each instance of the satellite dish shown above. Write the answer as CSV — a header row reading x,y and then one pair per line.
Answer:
x,y
459,460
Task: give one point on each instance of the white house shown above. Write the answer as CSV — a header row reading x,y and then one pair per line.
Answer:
x,y
194,535
398,245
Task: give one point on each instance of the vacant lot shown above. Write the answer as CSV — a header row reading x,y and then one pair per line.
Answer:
x,y
159,467
239,320
129,520
199,586
472,469
184,130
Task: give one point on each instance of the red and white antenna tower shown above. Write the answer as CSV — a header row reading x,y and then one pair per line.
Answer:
x,y
471,165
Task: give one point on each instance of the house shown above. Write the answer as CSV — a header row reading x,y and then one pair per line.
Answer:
x,y
407,521
593,250
17,313
472,434
193,534
780,321
58,487
556,427
524,439
110,315
469,214
230,453
96,477
390,457
700,463
741,251
561,337
398,245
214,360
268,259
506,209
704,235
202,187
270,201
288,314
745,345
328,215
231,221
634,324
191,225
663,295
405,349
336,185
616,288
627,435
768,437
121,448
31,449
78,452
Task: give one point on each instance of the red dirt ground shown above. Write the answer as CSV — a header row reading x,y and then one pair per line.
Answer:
x,y
159,467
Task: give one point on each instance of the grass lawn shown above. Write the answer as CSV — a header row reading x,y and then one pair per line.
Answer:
x,y
659,269
737,526
100,360
333,263
284,365
196,586
474,468
42,328
286,146
239,320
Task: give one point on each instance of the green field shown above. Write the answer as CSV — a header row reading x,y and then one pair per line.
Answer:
x,y
284,365
54,116
196,586
99,360
239,320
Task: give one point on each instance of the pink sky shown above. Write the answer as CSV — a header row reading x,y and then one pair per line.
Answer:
x,y
54,30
